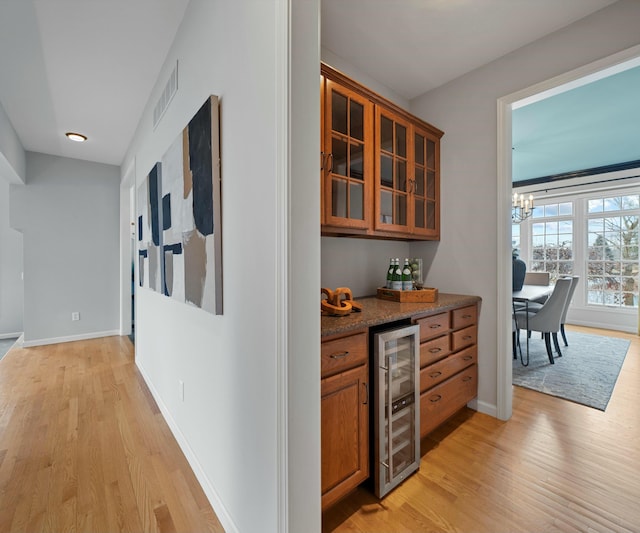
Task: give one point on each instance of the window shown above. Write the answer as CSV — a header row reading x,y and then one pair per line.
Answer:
x,y
612,258
552,239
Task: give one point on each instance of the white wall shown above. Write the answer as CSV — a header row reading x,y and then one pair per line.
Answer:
x,y
11,286
68,215
12,157
252,373
466,110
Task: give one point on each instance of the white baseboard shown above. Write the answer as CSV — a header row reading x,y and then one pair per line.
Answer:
x,y
210,492
10,335
70,338
600,325
487,408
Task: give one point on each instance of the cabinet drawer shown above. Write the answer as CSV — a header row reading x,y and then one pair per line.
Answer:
x,y
432,326
445,399
343,353
431,351
464,337
444,369
461,318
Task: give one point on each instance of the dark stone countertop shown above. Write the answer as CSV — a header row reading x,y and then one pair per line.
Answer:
x,y
376,311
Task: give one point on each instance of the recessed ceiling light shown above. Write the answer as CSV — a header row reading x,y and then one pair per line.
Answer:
x,y
77,137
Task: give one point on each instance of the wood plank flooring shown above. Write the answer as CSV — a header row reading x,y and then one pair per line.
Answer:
x,y
555,466
83,446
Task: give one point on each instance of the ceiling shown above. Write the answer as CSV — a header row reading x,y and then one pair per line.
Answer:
x,y
62,69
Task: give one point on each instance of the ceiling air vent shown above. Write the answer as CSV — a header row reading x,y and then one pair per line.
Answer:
x,y
165,98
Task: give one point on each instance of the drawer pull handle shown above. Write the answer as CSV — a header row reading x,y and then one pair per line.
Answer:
x,y
466,378
435,399
467,358
435,326
467,337
435,374
467,316
339,355
435,350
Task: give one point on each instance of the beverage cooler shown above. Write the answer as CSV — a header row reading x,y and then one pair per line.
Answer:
x,y
396,407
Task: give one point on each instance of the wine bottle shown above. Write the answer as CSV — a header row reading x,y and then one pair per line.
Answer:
x,y
407,282
396,282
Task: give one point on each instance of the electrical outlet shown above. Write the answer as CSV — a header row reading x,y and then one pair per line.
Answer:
x,y
181,389
75,316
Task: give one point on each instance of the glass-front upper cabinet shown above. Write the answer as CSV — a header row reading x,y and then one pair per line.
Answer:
x,y
393,159
347,157
425,186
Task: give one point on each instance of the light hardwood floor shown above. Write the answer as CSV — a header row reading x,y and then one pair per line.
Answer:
x,y
83,446
555,466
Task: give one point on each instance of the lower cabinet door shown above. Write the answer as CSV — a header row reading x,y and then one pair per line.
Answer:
x,y
345,433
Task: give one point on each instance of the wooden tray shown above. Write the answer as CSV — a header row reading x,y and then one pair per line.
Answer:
x,y
426,294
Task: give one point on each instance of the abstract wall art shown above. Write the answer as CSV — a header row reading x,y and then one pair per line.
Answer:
x,y
179,216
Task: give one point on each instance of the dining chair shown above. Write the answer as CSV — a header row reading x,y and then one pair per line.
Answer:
x,y
547,319
574,283
538,278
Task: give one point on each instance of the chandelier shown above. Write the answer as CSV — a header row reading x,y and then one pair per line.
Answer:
x,y
521,208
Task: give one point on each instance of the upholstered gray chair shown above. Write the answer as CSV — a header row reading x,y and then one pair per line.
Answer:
x,y
547,319
575,280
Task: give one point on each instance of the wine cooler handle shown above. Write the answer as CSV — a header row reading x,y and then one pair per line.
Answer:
x,y
366,393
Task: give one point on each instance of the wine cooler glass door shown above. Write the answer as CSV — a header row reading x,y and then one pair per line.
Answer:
x,y
397,406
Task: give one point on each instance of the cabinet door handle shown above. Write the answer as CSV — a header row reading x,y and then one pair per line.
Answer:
x,y
366,393
435,399
435,374
339,355
466,379
435,350
322,156
330,158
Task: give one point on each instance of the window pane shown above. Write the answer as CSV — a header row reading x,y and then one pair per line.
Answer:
x,y
551,210
595,206
538,212
565,226
596,224
630,202
537,229
612,204
566,209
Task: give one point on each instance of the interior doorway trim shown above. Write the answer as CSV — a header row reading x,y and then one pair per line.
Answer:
x,y
127,202
620,61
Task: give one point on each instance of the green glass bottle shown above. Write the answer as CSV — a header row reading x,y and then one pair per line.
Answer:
x,y
407,281
390,270
396,282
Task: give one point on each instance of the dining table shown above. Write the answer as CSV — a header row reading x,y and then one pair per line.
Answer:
x,y
526,295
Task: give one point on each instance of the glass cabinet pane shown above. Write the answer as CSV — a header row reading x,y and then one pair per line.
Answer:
x,y
356,115
431,184
339,151
419,149
419,177
401,141
339,112
386,171
356,161
386,134
386,207
431,154
431,215
339,197
401,210
419,213
401,176
356,201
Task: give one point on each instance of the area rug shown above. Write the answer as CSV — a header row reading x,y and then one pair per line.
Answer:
x,y
586,373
